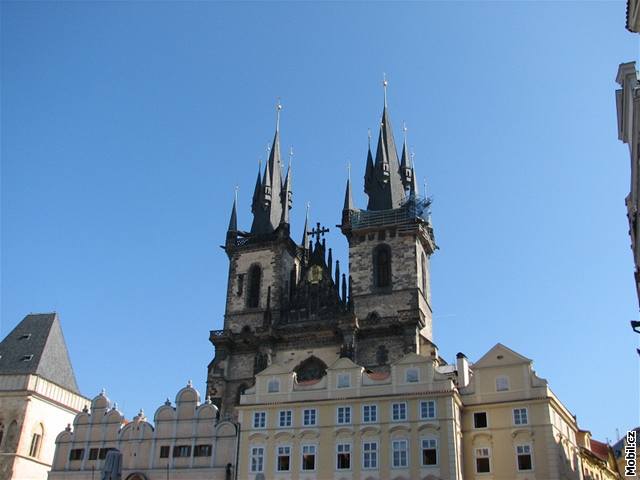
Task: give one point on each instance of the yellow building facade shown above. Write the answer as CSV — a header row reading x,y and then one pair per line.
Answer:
x,y
493,420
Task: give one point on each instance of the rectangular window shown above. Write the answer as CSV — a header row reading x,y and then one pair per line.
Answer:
x,y
344,380
309,417
343,456
369,413
259,419
93,454
370,455
502,384
399,454
427,409
181,451
524,457
344,415
164,451
411,375
202,451
520,416
308,457
480,420
429,452
76,454
285,418
257,459
483,460
283,462
273,386
35,445
102,453
399,412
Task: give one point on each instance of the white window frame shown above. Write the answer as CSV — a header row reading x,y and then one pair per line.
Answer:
x,y
255,416
252,455
280,414
343,380
435,409
530,447
406,375
375,451
276,382
502,383
315,417
278,447
486,416
371,406
406,451
347,408
349,446
519,416
422,448
475,460
315,456
406,413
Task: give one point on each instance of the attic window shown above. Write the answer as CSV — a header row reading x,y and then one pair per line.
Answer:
x,y
502,384
26,336
27,358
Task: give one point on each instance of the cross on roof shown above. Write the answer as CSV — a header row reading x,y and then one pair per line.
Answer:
x,y
318,231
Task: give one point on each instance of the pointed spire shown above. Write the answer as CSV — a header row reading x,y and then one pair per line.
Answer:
x,y
257,202
233,221
369,169
414,178
337,281
385,187
287,200
384,86
405,163
330,262
348,200
305,234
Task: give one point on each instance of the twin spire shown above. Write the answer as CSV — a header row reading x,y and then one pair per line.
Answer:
x,y
388,180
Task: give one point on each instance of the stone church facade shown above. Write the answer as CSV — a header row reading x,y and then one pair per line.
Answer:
x,y
286,299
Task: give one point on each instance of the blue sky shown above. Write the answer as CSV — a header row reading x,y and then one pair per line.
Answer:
x,y
127,125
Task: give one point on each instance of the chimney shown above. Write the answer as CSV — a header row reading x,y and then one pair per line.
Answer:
x,y
462,365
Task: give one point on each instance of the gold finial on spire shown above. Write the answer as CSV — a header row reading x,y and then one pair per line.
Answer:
x,y
404,130
236,193
308,208
413,154
384,86
349,171
278,109
369,136
290,155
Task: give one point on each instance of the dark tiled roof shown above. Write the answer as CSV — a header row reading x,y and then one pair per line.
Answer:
x,y
38,338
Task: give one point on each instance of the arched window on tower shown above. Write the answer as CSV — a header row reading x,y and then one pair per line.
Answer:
x,y
36,441
382,266
423,267
253,294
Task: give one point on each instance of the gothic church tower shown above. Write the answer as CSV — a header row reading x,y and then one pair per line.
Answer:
x,y
390,244
288,304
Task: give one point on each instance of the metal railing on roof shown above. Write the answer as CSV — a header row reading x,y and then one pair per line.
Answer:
x,y
411,209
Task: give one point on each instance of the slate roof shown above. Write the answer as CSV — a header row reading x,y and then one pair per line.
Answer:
x,y
36,346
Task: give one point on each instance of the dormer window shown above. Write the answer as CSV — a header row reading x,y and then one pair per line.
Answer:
x,y
273,386
344,380
411,375
27,358
502,384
